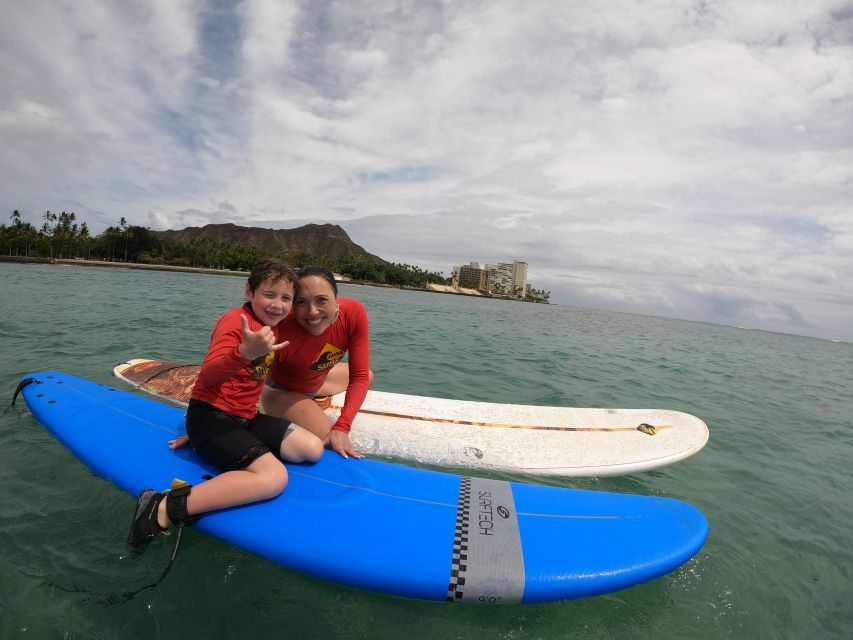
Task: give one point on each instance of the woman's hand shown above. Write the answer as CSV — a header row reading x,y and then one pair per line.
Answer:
x,y
339,441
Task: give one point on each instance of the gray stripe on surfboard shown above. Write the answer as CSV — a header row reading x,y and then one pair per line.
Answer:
x,y
487,566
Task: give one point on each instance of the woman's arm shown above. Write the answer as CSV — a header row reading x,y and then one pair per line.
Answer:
x,y
359,367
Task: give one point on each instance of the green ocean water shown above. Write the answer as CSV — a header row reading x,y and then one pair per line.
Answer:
x,y
775,480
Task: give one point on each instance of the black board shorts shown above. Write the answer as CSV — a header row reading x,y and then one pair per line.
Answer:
x,y
231,442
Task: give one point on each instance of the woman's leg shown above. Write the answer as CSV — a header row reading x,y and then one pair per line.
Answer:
x,y
298,409
301,446
338,380
302,410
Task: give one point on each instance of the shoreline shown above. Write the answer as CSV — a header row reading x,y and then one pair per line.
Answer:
x,y
80,262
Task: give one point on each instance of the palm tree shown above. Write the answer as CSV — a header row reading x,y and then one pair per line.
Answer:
x,y
30,234
73,229
84,238
62,231
123,224
46,229
111,235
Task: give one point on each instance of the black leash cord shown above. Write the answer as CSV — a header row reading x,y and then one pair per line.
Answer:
x,y
115,597
23,383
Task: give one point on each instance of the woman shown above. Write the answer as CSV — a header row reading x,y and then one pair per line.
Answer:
x,y
321,329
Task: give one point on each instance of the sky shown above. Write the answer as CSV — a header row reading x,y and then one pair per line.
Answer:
x,y
682,158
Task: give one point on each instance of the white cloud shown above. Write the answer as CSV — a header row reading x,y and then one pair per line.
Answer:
x,y
661,157
266,47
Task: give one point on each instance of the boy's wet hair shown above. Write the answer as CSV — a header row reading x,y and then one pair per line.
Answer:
x,y
274,270
320,272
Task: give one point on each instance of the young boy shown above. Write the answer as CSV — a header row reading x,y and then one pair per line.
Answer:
x,y
223,423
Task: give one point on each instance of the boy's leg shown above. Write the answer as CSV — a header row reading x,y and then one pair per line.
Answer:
x,y
264,478
252,471
289,441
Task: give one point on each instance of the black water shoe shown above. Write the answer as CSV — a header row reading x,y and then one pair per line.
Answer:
x,y
144,527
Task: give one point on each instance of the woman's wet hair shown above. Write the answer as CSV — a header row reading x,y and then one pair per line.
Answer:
x,y
320,272
274,270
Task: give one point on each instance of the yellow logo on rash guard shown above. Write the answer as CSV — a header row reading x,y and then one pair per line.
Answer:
x,y
328,358
261,367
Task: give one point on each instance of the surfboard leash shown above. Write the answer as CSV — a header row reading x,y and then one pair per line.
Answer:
x,y
121,597
180,518
23,383
113,597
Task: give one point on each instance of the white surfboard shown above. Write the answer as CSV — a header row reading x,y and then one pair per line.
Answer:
x,y
506,438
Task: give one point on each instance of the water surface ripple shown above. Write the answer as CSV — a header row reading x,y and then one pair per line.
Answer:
x,y
775,479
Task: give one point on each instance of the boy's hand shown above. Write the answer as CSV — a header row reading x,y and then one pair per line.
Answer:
x,y
178,442
257,344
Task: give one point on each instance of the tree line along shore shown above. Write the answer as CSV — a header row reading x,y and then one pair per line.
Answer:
x,y
61,237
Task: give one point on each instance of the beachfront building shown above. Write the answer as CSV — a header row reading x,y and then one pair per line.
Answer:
x,y
469,276
509,279
503,278
499,278
520,286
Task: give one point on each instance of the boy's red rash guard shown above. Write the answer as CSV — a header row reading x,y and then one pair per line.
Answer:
x,y
227,380
304,363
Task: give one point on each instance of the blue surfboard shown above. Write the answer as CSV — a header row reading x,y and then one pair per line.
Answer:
x,y
393,529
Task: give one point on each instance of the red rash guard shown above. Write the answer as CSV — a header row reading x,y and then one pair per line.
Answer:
x,y
304,364
227,380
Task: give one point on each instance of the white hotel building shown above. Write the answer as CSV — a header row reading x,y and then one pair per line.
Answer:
x,y
503,278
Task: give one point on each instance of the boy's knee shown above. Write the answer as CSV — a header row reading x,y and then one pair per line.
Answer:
x,y
274,482
369,377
